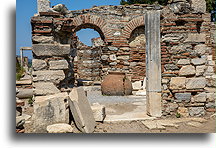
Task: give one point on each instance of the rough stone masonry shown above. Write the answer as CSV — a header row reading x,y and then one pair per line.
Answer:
x,y
185,66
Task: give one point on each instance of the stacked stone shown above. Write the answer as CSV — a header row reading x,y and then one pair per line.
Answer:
x,y
137,64
88,63
213,39
51,60
188,77
115,59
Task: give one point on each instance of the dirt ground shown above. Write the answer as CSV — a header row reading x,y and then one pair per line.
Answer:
x,y
139,127
206,126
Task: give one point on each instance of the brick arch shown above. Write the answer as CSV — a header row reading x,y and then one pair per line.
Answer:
x,y
93,22
133,24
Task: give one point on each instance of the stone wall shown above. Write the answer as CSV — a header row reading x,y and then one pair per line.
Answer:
x,y
187,43
188,76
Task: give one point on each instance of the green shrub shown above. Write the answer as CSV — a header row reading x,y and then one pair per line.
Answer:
x,y
19,71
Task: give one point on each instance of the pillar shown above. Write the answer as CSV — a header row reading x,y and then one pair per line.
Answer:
x,y
153,63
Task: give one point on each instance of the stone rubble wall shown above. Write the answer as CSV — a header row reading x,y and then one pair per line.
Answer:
x,y
188,76
187,51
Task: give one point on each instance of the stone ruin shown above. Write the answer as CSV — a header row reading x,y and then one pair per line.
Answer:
x,y
172,46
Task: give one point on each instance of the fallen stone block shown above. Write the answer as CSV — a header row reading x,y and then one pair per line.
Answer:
x,y
81,110
50,110
59,128
98,112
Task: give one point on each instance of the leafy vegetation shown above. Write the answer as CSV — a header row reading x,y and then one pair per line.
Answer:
x,y
210,5
19,71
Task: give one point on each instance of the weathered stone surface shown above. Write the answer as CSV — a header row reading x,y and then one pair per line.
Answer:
x,y
198,61
165,81
17,90
199,98
196,111
45,88
43,5
200,70
123,57
195,83
211,81
59,128
43,39
104,57
210,105
183,96
51,49
211,63
183,62
112,57
209,71
178,83
50,110
24,117
61,8
198,6
195,37
153,125
25,93
113,63
48,75
188,70
98,112
154,108
183,111
139,41
200,49
97,42
171,67
81,110
113,48
60,64
211,96
141,93
38,64
194,124
180,7
172,38
153,54
137,85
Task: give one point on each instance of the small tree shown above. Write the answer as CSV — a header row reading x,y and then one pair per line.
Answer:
x,y
210,5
